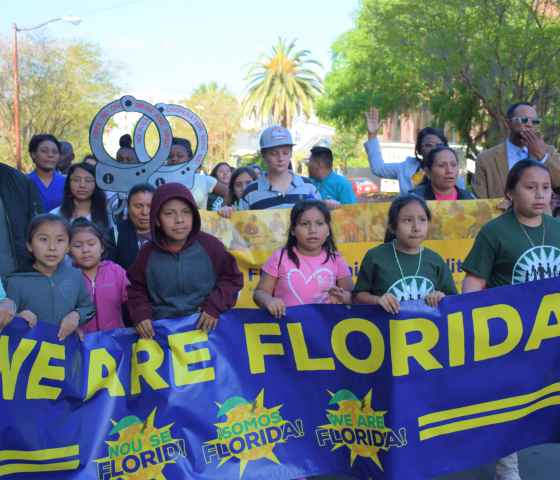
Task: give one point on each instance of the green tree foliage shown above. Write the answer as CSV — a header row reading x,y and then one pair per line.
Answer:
x,y
465,60
220,111
346,148
63,86
282,84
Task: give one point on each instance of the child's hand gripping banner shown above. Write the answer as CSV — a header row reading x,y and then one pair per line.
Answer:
x,y
327,389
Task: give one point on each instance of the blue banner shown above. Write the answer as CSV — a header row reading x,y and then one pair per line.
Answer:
x,y
326,390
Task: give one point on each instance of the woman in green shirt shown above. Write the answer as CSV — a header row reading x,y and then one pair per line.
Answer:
x,y
522,245
402,269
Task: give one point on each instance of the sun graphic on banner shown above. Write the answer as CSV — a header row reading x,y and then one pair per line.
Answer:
x,y
360,413
537,263
248,422
139,440
411,288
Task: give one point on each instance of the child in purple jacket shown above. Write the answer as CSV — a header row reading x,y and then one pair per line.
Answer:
x,y
105,280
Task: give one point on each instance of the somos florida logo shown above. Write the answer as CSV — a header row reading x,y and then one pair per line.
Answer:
x,y
140,451
357,426
250,432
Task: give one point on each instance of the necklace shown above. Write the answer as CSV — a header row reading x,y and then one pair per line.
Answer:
x,y
405,285
527,234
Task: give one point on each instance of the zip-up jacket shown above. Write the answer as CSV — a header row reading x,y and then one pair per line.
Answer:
x,y
21,202
51,298
202,276
109,293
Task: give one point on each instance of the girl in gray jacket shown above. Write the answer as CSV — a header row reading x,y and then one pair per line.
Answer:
x,y
52,291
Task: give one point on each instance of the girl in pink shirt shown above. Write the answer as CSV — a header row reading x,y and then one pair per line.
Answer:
x,y
105,280
308,269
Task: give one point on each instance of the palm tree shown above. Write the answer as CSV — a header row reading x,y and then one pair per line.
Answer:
x,y
282,84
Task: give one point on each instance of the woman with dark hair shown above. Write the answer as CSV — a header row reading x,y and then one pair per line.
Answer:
x,y
442,169
135,230
181,152
84,199
410,172
240,178
221,172
44,150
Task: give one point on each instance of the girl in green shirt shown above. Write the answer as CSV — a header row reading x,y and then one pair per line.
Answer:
x,y
402,269
522,245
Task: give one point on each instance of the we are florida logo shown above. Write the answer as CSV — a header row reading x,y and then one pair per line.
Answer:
x,y
249,432
141,450
354,424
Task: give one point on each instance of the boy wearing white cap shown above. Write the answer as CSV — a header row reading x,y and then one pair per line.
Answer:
x,y
278,187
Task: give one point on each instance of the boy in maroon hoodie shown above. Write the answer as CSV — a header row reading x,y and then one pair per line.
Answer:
x,y
182,270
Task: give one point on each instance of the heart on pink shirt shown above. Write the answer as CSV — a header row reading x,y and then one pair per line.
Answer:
x,y
316,282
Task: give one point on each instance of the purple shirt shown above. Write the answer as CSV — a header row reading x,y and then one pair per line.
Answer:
x,y
51,196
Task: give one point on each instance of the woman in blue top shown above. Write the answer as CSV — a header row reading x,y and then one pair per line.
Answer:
x,y
409,173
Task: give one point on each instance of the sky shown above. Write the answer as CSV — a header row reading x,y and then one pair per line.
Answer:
x,y
163,49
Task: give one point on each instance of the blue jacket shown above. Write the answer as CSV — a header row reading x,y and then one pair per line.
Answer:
x,y
401,171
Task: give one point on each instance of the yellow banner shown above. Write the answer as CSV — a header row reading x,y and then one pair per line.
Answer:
x,y
252,236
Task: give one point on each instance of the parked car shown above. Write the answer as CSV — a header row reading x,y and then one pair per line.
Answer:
x,y
364,187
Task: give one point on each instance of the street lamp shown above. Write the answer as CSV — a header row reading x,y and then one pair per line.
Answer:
x,y
16,29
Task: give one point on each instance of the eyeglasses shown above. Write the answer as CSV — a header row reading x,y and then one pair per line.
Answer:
x,y
86,180
526,120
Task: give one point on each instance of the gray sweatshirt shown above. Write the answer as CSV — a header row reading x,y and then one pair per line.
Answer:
x,y
51,298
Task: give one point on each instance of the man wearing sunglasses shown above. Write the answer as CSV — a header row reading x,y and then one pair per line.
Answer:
x,y
524,141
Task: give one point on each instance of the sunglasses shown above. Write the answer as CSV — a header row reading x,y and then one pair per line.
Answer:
x,y
526,120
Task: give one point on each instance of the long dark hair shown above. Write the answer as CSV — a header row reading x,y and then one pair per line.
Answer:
x,y
396,206
297,211
99,212
238,171
516,172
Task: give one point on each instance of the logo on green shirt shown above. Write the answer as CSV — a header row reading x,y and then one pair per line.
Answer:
x,y
411,288
537,263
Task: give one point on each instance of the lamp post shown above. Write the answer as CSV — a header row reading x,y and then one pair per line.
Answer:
x,y
16,29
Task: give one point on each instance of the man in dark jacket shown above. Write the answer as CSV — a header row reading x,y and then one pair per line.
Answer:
x,y
181,270
19,203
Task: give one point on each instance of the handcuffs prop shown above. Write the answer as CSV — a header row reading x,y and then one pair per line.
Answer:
x,y
120,178
184,172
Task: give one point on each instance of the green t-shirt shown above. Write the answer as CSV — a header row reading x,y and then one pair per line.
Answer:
x,y
502,253
379,274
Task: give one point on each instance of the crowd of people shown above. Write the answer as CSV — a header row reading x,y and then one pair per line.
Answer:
x,y
67,260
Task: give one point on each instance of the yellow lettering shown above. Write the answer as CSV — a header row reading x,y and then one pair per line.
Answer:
x,y
148,369
456,333
43,369
100,360
182,359
481,316
301,353
9,370
256,349
340,348
402,351
542,329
